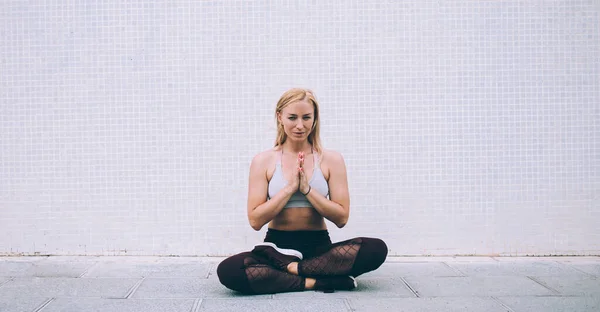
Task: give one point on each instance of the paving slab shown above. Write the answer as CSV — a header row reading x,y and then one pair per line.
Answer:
x,y
404,269
190,284
552,304
11,268
52,268
22,259
212,273
517,268
594,259
136,259
68,287
367,287
46,267
283,305
21,302
544,258
592,269
119,305
392,259
589,265
462,304
158,268
469,286
572,285
187,288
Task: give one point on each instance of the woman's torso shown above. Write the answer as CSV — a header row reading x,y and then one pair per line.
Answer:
x,y
296,218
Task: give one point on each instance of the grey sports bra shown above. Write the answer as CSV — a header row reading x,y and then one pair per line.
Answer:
x,y
317,183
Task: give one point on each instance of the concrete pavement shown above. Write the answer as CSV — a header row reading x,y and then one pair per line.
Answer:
x,y
189,284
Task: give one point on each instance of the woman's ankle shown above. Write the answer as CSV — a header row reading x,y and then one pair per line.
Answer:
x,y
292,268
309,283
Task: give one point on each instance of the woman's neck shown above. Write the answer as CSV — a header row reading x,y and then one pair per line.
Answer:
x,y
295,148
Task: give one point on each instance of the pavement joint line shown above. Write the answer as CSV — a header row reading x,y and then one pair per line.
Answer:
x,y
134,288
197,304
87,270
348,305
509,309
409,287
10,279
576,269
457,271
544,285
44,304
210,268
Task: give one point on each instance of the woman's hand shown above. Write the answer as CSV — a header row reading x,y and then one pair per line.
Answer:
x,y
294,182
303,181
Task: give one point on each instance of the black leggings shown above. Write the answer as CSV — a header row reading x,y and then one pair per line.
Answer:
x,y
252,274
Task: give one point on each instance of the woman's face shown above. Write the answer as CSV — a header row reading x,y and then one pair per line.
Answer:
x,y
297,119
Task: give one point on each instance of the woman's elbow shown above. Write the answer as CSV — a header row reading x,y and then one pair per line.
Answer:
x,y
255,224
342,222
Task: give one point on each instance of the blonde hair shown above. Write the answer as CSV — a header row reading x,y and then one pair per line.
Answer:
x,y
289,97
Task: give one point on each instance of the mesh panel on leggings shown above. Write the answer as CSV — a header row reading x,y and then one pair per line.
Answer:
x,y
339,260
264,279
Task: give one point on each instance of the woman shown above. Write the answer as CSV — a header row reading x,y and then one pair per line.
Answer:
x,y
294,187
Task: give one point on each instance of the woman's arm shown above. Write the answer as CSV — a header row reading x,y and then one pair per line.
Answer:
x,y
337,208
260,210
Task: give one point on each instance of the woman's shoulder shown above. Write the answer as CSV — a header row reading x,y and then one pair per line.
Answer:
x,y
331,156
264,158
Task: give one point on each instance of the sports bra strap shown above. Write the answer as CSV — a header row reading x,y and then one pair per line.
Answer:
x,y
279,155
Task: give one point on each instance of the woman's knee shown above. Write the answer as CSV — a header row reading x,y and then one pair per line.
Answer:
x,y
371,255
232,273
377,248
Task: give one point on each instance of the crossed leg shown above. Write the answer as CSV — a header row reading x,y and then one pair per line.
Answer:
x,y
252,274
351,257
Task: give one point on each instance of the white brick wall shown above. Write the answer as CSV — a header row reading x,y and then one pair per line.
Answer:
x,y
468,127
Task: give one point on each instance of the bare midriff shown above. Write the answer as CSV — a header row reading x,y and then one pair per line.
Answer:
x,y
298,219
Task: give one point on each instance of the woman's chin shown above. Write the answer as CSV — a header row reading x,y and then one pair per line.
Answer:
x,y
297,138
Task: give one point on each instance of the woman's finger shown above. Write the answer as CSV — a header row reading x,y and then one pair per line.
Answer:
x,y
301,158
